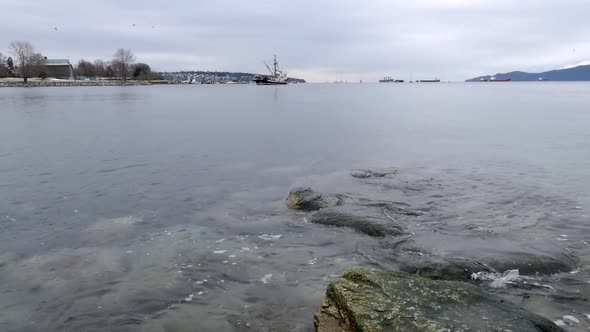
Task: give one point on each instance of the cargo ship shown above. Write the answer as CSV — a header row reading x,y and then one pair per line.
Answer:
x,y
390,80
493,79
436,80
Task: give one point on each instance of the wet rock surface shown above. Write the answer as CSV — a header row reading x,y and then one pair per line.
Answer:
x,y
305,199
462,269
363,221
376,218
436,268
367,174
531,264
371,300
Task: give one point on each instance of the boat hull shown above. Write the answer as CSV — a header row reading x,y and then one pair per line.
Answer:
x,y
267,82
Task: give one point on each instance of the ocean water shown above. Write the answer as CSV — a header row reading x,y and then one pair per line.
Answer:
x,y
161,208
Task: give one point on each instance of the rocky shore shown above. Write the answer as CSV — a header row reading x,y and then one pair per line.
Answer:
x,y
420,290
37,84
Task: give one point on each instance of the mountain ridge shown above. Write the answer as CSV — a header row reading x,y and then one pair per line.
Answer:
x,y
579,73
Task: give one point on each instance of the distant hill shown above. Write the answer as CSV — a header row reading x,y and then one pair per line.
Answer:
x,y
580,73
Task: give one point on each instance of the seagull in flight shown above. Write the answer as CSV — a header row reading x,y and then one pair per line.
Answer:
x,y
55,29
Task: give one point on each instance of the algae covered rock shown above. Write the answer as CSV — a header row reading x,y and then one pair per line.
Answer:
x,y
367,221
373,301
305,199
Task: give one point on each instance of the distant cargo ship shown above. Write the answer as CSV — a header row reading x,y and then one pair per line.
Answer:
x,y
436,80
493,79
390,80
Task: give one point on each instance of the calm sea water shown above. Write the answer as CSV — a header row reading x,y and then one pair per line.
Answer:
x,y
161,208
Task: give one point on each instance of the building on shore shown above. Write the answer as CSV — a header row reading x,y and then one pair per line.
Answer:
x,y
59,68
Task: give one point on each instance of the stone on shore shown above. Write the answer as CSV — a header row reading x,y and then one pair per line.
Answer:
x,y
305,199
363,220
373,301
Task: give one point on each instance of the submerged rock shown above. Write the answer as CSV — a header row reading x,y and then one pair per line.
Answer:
x,y
456,268
365,221
366,174
372,301
305,199
528,264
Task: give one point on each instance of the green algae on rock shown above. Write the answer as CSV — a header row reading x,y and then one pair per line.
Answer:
x,y
365,300
305,199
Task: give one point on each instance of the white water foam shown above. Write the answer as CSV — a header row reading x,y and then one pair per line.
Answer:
x,y
266,278
270,237
571,319
498,280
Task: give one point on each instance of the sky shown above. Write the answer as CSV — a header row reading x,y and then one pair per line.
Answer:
x,y
318,40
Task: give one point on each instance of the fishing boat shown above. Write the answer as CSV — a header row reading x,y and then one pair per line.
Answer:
x,y
276,76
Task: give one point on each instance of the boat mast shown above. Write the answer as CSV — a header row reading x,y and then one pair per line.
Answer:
x,y
275,64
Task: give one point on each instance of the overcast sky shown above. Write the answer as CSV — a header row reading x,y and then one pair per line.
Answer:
x,y
318,40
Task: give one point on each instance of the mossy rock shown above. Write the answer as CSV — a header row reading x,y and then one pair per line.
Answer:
x,y
366,300
305,199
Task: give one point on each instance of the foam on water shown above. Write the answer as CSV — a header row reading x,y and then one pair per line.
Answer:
x,y
498,280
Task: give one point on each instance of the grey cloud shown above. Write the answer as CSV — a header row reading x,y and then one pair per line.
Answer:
x,y
451,39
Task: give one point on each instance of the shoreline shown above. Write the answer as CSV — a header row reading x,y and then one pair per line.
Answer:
x,y
42,84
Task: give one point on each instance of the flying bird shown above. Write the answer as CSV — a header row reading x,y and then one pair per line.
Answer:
x,y
55,29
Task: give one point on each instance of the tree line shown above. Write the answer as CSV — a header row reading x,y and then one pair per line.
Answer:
x,y
25,62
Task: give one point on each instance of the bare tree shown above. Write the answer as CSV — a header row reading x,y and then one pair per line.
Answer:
x,y
25,54
123,59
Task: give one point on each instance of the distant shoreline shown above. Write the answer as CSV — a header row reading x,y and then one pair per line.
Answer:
x,y
46,83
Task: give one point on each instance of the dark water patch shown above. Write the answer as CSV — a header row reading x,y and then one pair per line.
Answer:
x,y
109,170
